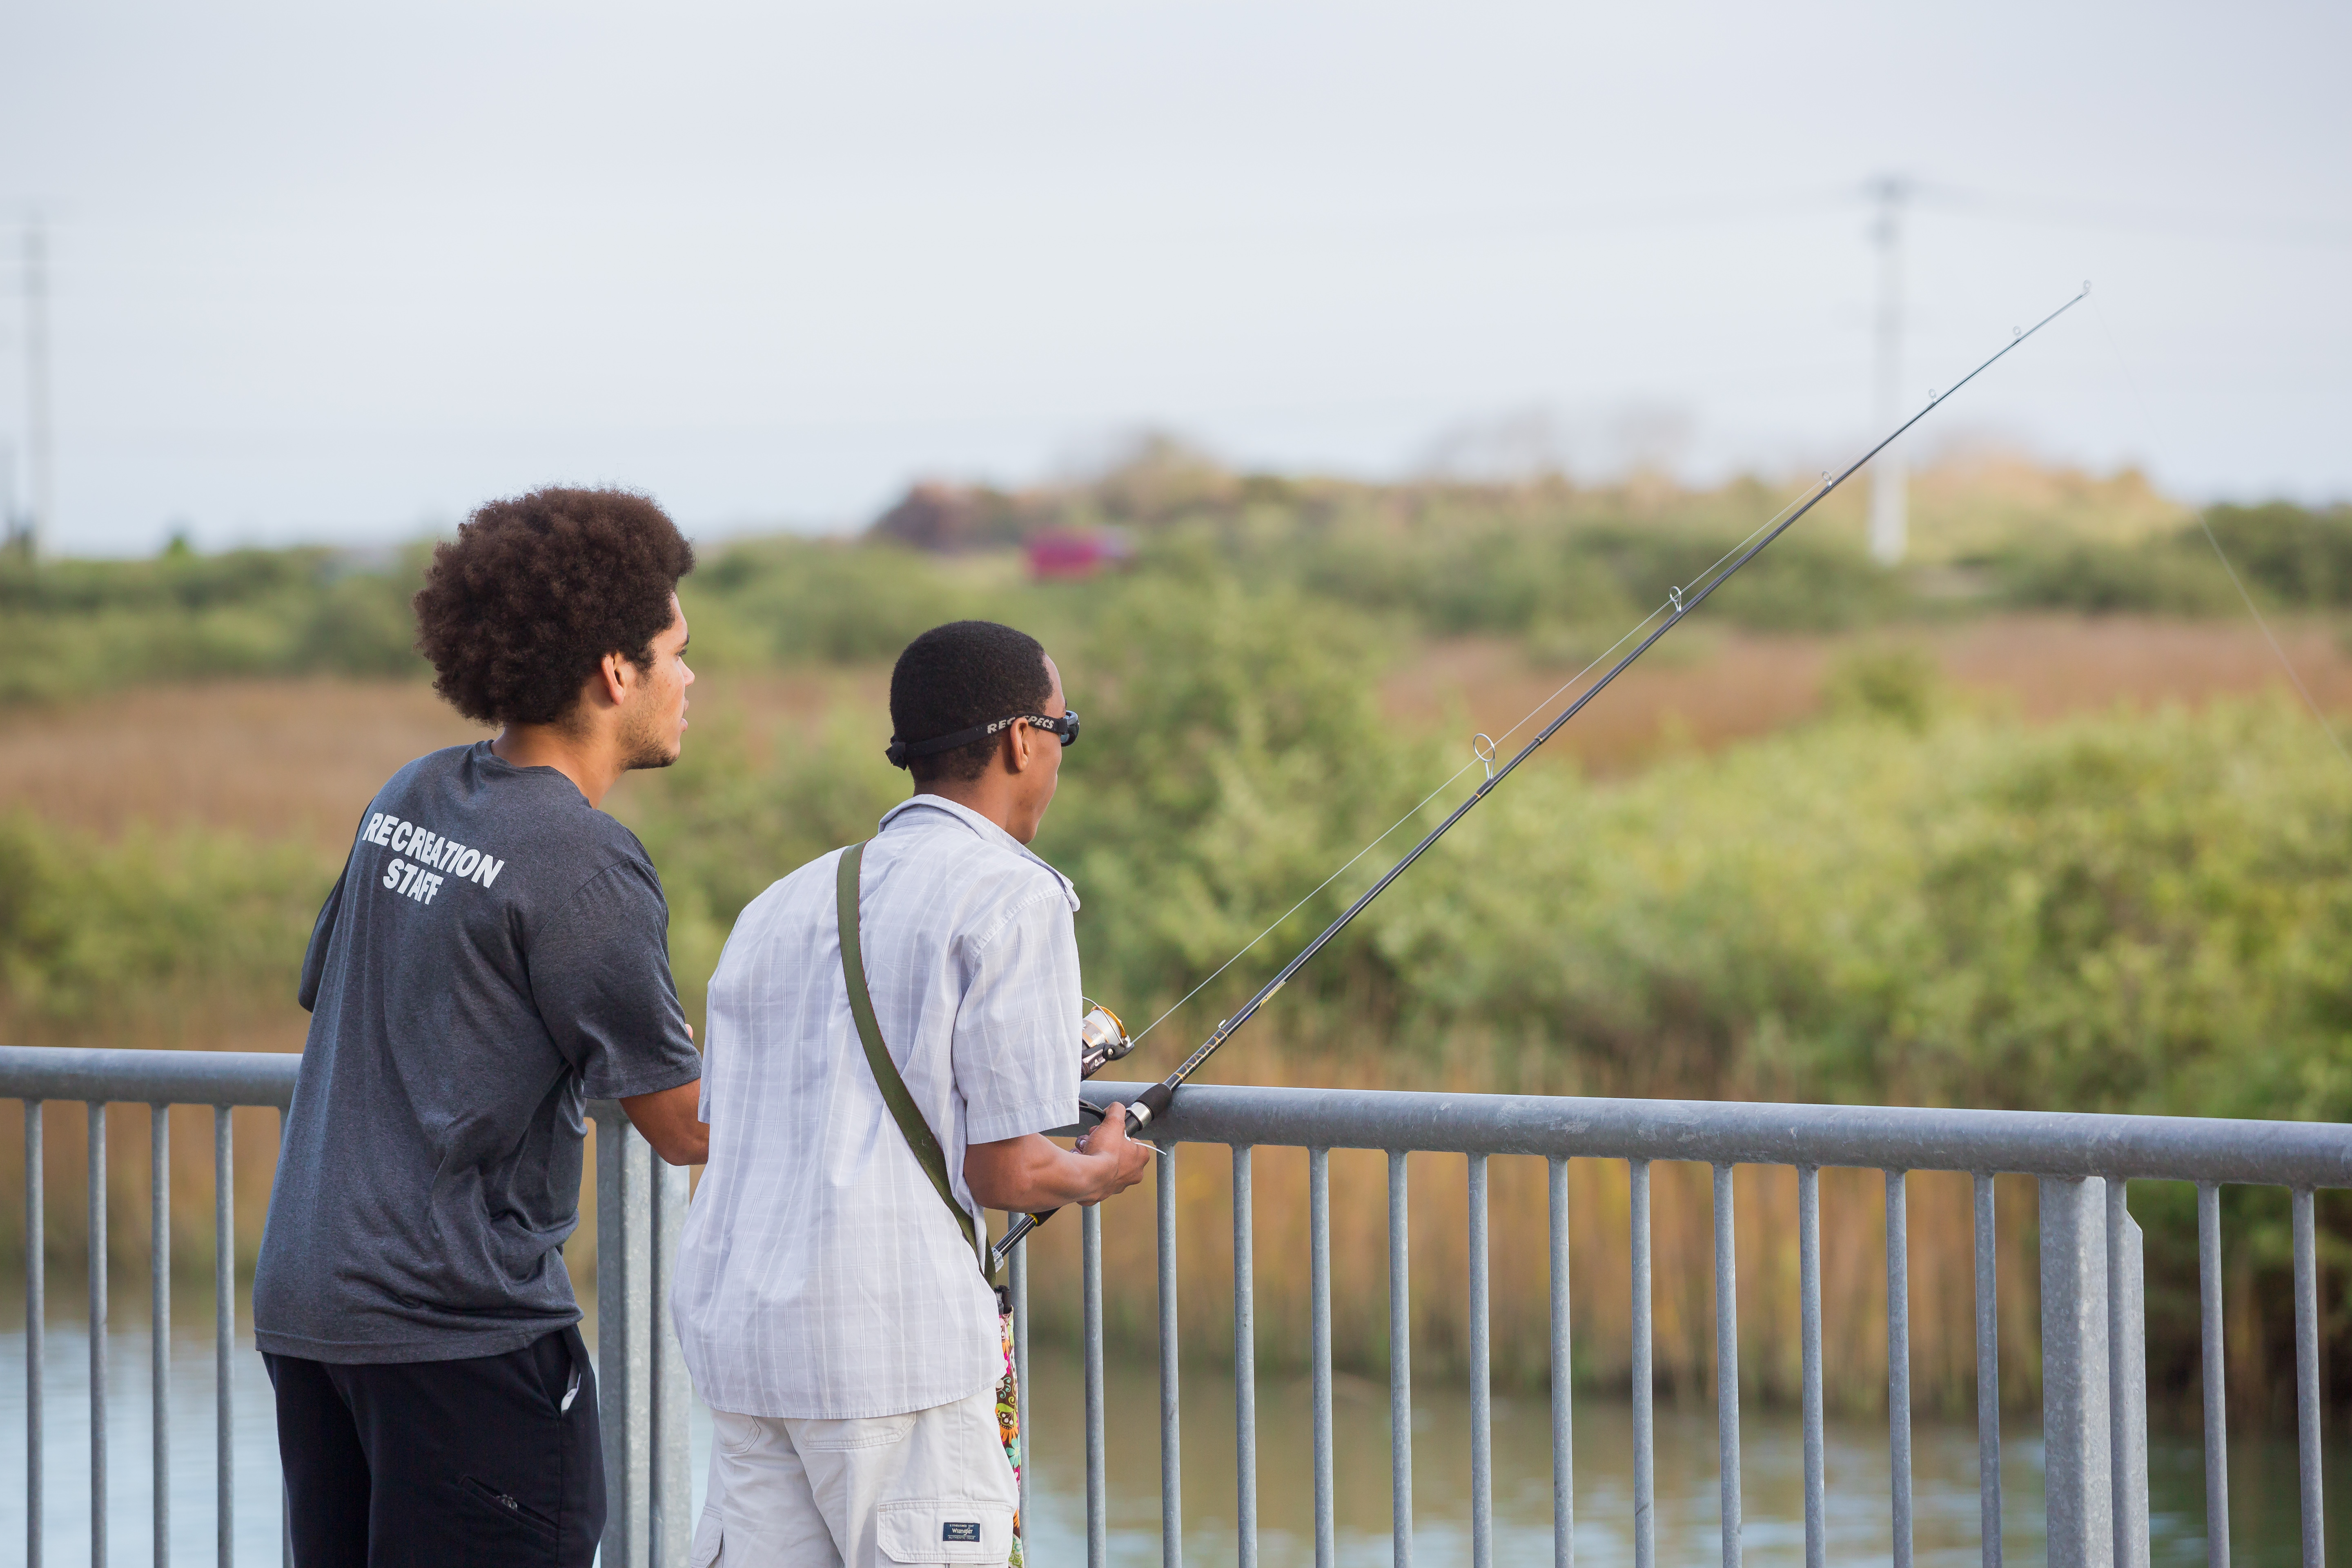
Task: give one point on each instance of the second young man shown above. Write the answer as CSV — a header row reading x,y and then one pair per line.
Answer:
x,y
829,1297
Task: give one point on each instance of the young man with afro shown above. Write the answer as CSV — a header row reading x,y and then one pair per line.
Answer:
x,y
893,1029
494,954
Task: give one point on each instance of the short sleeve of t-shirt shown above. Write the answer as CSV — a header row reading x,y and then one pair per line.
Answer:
x,y
1014,1065
600,976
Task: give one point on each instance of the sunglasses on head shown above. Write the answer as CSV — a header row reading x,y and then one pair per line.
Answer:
x,y
901,752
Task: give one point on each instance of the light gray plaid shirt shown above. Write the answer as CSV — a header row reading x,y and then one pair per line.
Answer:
x,y
819,1275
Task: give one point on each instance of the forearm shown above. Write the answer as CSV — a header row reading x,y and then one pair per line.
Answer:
x,y
1032,1174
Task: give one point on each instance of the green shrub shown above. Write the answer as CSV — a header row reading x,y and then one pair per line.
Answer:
x,y
2300,556
88,927
2161,576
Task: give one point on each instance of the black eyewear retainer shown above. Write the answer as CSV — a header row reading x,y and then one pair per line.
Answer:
x,y
901,752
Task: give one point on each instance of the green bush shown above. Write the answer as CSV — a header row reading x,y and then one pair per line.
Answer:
x,y
2300,556
88,927
2162,577
82,626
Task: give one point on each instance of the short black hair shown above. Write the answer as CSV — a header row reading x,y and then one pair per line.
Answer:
x,y
519,610
957,675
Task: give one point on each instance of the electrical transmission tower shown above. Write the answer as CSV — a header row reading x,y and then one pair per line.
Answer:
x,y
1889,474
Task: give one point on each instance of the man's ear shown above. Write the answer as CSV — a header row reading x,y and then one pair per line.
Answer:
x,y
618,675
1020,741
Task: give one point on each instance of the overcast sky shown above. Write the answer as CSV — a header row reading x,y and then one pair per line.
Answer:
x,y
323,272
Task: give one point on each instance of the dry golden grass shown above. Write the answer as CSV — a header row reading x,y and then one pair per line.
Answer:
x,y
301,758
1736,686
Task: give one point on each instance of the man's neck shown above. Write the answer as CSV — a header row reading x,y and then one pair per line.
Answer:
x,y
585,757
976,795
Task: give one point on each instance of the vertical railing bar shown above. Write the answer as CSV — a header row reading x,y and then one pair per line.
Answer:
x,y
1171,1436
2119,1473
1563,1450
672,1535
36,1306
1482,1389
285,1503
1318,1249
1988,1304
2306,1380
1399,1365
1097,1482
159,1287
1645,1537
98,1333
1021,1378
1727,1364
2217,1414
637,1178
1809,1316
612,1336
223,1336
1244,1368
1898,1360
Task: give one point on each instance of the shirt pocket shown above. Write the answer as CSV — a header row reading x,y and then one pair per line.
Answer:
x,y
931,1532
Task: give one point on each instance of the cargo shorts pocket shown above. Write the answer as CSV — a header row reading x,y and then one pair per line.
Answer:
x,y
710,1535
931,1532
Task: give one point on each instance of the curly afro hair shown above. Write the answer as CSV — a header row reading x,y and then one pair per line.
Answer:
x,y
519,610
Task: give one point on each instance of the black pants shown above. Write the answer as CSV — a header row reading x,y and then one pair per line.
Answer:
x,y
411,1464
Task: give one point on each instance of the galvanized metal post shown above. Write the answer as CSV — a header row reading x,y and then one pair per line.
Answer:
x,y
1898,1360
1726,1367
623,1335
1399,1365
1318,1255
1244,1368
1987,1294
37,1294
223,1336
1809,1332
2078,1500
1563,1438
1091,1307
1172,1431
98,1333
1645,1518
159,1302
672,1534
2307,1414
1481,1387
2217,1414
2127,1383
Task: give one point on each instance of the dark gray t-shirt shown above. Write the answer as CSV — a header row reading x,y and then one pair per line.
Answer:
x,y
494,954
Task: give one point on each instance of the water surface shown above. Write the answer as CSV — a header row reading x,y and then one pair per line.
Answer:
x,y
1944,1467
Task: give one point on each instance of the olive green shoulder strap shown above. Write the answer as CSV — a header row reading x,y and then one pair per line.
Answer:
x,y
903,1109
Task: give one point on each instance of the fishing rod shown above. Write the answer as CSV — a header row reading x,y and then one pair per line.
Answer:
x,y
1153,1103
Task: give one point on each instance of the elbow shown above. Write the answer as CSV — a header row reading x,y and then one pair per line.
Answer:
x,y
687,1147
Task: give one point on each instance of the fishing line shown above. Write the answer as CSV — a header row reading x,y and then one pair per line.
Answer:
x,y
1154,1101
2147,423
1476,761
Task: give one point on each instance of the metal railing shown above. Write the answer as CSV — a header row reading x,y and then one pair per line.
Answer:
x,y
2094,1393
642,1395
2094,1371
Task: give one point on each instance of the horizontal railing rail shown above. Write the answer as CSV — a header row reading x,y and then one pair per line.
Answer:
x,y
2094,1370
1746,1133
